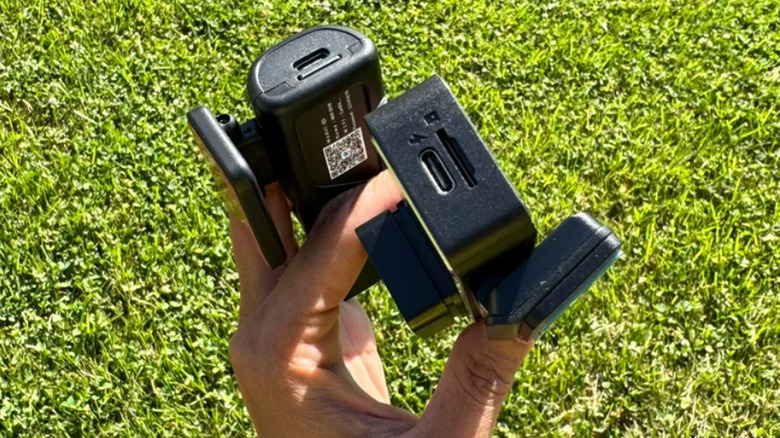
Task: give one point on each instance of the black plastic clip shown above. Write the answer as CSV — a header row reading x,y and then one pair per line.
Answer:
x,y
217,137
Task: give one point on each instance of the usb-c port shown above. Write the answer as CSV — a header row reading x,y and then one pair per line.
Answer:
x,y
310,59
436,171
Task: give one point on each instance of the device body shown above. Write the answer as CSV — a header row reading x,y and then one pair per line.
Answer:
x,y
473,215
310,94
462,242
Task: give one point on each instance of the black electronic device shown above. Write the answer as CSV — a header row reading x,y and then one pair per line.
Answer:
x,y
310,94
462,242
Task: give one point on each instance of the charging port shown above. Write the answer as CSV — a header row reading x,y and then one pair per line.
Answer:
x,y
437,171
311,58
458,157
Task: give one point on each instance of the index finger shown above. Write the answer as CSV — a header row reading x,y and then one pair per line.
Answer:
x,y
256,278
331,258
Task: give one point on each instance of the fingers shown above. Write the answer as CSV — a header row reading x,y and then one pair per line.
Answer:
x,y
478,375
256,278
279,209
358,348
330,261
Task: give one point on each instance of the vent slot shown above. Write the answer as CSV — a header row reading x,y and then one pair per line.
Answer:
x,y
463,164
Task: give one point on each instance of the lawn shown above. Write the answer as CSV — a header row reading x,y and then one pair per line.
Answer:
x,y
118,293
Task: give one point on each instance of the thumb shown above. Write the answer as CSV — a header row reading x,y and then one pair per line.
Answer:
x,y
476,379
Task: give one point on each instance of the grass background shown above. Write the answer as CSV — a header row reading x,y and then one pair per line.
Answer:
x,y
118,292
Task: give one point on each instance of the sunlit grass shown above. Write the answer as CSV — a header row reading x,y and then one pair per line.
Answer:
x,y
118,293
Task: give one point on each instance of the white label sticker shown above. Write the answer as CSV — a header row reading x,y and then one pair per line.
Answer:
x,y
345,153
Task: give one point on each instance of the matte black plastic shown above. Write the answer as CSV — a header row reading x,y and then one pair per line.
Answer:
x,y
470,218
310,94
577,282
551,278
415,275
252,147
480,225
297,93
243,195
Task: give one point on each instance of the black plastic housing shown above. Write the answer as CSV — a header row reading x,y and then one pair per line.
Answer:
x,y
243,194
462,220
308,92
422,286
469,209
556,273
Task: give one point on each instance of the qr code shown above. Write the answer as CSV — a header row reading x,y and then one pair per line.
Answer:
x,y
345,153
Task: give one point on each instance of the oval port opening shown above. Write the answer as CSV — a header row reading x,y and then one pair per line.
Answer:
x,y
311,58
436,171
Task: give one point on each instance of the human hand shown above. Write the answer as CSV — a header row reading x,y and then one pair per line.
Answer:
x,y
306,361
